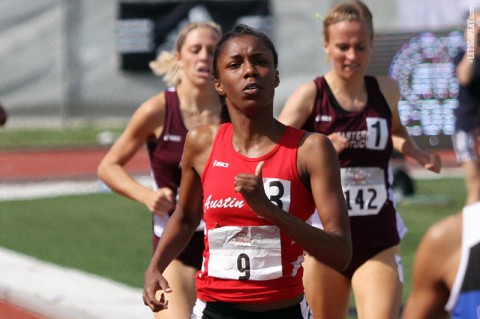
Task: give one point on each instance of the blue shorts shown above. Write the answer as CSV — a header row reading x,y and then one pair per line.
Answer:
x,y
465,145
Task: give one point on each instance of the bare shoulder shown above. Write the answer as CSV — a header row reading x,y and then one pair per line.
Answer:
x,y
441,242
299,105
198,146
202,136
307,89
154,105
315,149
148,119
390,89
445,232
315,140
387,83
303,96
438,255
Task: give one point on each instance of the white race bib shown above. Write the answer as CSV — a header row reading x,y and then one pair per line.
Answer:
x,y
377,133
364,190
278,192
245,252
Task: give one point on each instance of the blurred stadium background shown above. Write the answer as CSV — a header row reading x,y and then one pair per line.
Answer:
x,y
65,61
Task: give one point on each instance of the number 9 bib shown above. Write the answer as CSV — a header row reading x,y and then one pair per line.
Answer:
x,y
245,252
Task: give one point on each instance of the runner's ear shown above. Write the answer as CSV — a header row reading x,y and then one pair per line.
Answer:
x,y
219,88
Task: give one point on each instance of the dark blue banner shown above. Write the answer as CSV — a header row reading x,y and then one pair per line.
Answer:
x,y
146,28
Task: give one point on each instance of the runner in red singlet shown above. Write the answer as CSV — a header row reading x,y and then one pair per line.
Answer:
x,y
254,179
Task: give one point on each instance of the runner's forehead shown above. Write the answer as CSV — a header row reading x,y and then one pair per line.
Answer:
x,y
245,44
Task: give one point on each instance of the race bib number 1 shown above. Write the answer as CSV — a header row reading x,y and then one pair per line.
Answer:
x,y
377,133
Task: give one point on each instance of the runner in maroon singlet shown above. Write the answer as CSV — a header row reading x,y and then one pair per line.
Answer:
x,y
162,122
359,114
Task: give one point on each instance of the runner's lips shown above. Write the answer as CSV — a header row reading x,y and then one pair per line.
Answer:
x,y
251,86
203,70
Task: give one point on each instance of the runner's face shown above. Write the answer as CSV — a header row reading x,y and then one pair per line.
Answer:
x,y
349,46
196,55
246,73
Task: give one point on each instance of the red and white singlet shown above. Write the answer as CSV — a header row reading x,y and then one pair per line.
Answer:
x,y
247,259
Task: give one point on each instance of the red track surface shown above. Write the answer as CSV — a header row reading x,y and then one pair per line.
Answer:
x,y
8,311
60,164
28,166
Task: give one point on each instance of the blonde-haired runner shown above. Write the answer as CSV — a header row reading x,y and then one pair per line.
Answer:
x,y
162,123
360,116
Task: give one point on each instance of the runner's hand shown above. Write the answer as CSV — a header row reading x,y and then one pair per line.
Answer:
x,y
154,290
251,188
339,142
160,202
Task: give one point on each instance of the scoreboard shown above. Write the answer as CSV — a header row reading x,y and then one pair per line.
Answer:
x,y
425,72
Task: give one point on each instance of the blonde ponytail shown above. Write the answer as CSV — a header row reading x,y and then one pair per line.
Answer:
x,y
166,64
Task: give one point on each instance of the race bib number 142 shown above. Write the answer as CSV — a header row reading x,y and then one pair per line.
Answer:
x,y
364,190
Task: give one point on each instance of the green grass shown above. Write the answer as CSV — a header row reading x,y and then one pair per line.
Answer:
x,y
104,234
41,138
109,235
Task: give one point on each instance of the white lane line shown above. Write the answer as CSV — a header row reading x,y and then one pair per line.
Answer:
x,y
46,189
58,293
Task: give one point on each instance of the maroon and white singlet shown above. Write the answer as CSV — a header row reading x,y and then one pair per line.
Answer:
x,y
165,156
366,178
166,152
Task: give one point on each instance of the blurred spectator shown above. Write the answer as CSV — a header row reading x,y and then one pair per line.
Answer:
x,y
467,125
